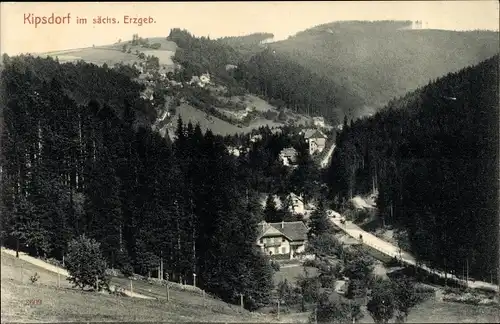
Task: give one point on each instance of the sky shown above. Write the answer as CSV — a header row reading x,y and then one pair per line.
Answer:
x,y
218,19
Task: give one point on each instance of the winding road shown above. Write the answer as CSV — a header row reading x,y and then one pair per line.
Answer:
x,y
393,251
326,160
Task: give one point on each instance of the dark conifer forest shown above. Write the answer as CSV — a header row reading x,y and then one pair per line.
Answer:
x,y
79,157
433,157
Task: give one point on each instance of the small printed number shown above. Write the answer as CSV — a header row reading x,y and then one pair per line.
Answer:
x,y
33,302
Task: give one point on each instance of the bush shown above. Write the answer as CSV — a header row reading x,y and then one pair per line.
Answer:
x,y
123,263
270,115
34,278
275,265
341,311
155,46
85,264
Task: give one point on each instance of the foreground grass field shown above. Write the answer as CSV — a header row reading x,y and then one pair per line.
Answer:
x,y
22,301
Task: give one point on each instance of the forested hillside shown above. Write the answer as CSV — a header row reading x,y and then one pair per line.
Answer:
x,y
276,77
82,82
272,76
70,167
433,157
201,55
377,61
247,45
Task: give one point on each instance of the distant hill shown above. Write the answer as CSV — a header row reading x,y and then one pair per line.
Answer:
x,y
433,158
247,45
377,61
252,39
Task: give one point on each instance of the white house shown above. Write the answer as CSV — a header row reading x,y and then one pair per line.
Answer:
x,y
319,121
204,79
233,151
316,140
295,203
165,114
256,138
283,238
230,67
288,156
298,206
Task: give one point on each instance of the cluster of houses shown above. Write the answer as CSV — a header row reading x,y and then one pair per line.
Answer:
x,y
316,140
287,239
202,80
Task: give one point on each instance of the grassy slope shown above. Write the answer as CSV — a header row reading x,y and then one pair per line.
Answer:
x,y
67,304
111,54
381,63
218,126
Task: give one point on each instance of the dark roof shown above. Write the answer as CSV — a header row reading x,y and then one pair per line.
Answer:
x,y
289,151
313,133
295,231
317,134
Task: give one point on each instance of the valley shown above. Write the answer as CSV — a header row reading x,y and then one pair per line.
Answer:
x,y
335,176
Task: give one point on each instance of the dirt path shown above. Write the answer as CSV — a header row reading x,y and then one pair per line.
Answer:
x,y
61,271
326,160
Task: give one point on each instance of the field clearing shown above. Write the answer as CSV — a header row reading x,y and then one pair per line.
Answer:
x,y
433,311
260,104
67,304
165,45
216,125
97,56
111,55
165,57
292,273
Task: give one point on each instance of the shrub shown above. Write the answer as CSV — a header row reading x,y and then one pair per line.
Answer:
x,y
270,115
34,278
341,311
123,263
275,265
85,264
155,46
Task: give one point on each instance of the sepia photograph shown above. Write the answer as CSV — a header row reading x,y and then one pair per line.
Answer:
x,y
250,162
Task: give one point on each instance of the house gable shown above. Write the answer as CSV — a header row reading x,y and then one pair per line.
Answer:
x,y
271,231
293,231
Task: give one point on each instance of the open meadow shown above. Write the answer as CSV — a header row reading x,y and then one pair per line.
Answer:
x,y
43,301
112,54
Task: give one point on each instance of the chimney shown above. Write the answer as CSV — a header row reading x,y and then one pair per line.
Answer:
x,y
282,224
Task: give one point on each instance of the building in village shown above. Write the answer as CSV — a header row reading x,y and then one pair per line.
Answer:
x,y
316,140
295,203
256,138
319,121
288,156
283,238
234,150
201,80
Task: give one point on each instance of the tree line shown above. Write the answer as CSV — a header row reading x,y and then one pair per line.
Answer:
x,y
90,166
432,157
